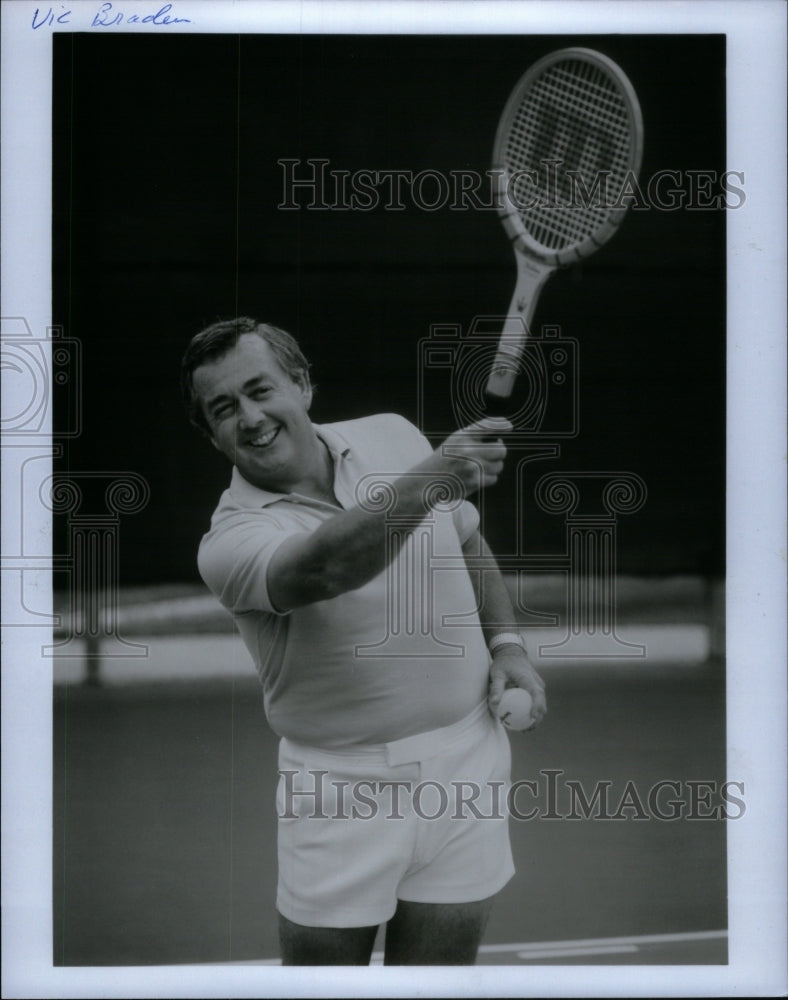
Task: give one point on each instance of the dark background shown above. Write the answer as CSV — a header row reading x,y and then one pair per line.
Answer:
x,y
165,218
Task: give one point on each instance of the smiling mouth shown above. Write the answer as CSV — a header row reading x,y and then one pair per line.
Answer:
x,y
265,439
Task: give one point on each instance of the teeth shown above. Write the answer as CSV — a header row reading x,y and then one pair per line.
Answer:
x,y
264,439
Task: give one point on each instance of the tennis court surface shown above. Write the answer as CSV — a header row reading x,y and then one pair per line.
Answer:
x,y
164,826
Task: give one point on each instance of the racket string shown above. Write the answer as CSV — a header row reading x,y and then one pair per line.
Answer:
x,y
576,114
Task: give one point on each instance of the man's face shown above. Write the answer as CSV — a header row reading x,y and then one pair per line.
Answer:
x,y
257,416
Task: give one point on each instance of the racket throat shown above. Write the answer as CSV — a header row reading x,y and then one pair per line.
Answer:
x,y
531,276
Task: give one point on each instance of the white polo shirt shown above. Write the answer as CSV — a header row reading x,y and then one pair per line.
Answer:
x,y
402,654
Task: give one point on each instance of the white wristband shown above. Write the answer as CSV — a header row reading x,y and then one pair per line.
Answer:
x,y
506,638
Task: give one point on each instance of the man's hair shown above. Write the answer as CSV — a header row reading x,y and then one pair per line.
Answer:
x,y
216,340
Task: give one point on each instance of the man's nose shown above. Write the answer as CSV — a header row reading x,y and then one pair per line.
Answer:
x,y
248,413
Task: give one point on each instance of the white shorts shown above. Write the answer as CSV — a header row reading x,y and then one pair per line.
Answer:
x,y
421,819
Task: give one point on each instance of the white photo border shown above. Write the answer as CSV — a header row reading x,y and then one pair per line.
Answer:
x,y
756,534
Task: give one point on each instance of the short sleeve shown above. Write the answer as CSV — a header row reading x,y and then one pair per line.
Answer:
x,y
234,556
423,444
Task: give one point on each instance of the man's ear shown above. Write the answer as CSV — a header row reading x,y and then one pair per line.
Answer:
x,y
303,383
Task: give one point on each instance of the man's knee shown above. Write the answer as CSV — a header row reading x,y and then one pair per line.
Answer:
x,y
303,945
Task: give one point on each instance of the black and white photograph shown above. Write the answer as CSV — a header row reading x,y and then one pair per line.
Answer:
x,y
394,526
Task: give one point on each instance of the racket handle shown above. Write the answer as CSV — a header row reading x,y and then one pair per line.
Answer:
x,y
505,367
495,405
531,276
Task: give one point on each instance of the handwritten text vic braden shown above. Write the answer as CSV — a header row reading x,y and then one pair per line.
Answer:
x,y
107,15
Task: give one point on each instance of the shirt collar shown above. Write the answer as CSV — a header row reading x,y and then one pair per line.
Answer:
x,y
252,496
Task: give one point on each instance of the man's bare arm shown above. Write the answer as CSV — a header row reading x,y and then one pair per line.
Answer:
x,y
511,665
348,550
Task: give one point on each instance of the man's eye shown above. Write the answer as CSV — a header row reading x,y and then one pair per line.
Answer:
x,y
260,392
222,412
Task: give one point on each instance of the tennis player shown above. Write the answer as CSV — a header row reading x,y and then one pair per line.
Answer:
x,y
340,550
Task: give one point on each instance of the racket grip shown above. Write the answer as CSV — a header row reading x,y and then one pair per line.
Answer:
x,y
494,406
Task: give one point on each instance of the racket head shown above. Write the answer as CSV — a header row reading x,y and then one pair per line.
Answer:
x,y
573,111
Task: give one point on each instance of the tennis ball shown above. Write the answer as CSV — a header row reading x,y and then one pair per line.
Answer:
x,y
514,709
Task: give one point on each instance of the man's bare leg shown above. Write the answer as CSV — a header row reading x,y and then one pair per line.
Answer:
x,y
436,933
302,945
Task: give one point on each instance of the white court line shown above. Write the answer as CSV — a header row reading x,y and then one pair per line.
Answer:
x,y
555,953
552,953
606,942
560,949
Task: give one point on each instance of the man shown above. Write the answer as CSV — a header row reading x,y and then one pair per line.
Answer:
x,y
340,550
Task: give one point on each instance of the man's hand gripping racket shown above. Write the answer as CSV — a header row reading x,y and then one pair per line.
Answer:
x,y
570,138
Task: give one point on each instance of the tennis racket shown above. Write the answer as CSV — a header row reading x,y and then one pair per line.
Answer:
x,y
569,141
